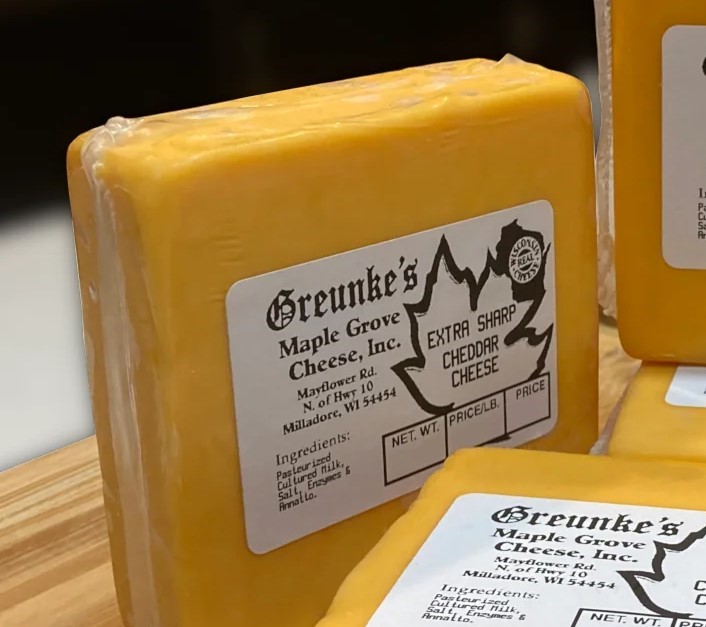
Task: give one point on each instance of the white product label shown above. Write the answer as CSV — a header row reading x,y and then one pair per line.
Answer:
x,y
688,387
356,375
684,147
504,560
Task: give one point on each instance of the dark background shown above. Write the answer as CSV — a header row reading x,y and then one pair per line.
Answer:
x,y
68,65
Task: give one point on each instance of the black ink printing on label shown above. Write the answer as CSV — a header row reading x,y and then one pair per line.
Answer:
x,y
356,375
524,561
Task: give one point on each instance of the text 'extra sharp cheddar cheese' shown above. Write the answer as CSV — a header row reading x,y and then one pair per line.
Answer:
x,y
297,305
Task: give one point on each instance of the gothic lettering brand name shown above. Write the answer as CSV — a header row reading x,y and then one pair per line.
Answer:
x,y
621,523
372,286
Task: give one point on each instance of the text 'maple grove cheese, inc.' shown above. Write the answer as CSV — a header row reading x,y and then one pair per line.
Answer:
x,y
360,373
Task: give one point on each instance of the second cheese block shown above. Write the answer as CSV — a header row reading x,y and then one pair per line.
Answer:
x,y
297,305
658,87
541,540
663,415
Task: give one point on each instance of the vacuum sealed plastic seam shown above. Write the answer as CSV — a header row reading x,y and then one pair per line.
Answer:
x,y
604,163
258,119
119,360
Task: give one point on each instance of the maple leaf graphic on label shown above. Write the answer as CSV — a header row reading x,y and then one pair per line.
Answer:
x,y
473,334
676,585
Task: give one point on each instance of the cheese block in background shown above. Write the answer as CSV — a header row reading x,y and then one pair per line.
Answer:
x,y
537,539
297,305
663,415
652,166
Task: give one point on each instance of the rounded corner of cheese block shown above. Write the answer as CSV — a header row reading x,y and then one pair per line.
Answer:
x,y
634,342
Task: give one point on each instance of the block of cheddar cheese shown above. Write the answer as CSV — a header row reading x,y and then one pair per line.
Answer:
x,y
663,415
539,539
297,305
654,84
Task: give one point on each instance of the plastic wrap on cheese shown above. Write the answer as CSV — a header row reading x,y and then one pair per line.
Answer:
x,y
297,305
604,164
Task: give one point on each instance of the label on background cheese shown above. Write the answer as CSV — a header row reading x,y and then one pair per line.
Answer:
x,y
505,560
358,374
688,387
684,147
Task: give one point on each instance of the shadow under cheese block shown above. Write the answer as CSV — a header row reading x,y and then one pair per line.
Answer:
x,y
659,148
538,539
663,415
297,305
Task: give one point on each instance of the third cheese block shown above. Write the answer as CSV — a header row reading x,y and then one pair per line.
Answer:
x,y
298,305
658,87
663,415
539,539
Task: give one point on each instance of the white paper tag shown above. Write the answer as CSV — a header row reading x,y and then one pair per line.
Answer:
x,y
684,147
688,387
356,375
504,560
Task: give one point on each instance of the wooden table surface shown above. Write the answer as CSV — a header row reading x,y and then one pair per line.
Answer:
x,y
54,559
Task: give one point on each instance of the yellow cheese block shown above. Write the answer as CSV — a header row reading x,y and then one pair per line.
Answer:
x,y
537,539
221,519
650,426
657,75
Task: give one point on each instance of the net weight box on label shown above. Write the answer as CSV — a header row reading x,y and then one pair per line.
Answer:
x,y
594,618
486,420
